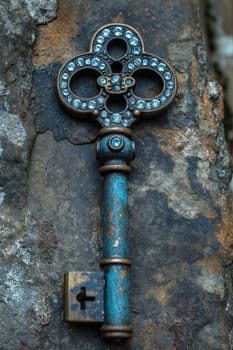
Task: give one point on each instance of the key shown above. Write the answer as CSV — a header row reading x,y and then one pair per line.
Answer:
x,y
119,63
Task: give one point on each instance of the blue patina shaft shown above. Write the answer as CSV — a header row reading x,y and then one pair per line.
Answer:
x,y
115,245
116,261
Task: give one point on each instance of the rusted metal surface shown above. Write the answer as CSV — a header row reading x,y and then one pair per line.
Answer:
x,y
84,304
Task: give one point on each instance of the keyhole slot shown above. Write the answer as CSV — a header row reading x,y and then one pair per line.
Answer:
x,y
82,297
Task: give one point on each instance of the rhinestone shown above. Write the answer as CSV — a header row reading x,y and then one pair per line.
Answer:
x,y
115,79
102,66
116,142
100,100
106,33
84,105
148,105
161,67
88,61
167,75
131,66
137,61
91,104
128,34
95,61
71,66
136,50
63,84
116,118
117,31
132,100
69,99
129,81
125,122
103,114
155,103
100,39
145,62
102,80
141,104
133,41
128,115
106,122
163,99
153,62
116,88
167,93
80,61
65,92
170,85
98,48
65,76
76,103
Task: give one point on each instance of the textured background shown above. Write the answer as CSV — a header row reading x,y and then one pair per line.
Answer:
x,y
219,17
51,191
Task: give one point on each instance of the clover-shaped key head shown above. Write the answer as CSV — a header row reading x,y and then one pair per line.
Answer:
x,y
116,58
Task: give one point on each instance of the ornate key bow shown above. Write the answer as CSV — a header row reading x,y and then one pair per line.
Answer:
x,y
103,59
116,58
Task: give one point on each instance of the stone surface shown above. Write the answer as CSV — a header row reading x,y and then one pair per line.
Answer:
x,y
220,17
51,192
42,11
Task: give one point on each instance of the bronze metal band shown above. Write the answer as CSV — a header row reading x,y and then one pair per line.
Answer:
x,y
115,167
115,130
110,261
118,331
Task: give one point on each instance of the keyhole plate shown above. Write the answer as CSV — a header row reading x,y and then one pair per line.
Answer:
x,y
84,297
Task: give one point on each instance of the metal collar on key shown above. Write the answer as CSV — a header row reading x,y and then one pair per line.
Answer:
x,y
116,58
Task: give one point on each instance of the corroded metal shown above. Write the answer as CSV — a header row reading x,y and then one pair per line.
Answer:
x,y
119,332
115,167
109,261
115,233
84,297
115,58
115,130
